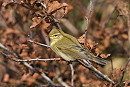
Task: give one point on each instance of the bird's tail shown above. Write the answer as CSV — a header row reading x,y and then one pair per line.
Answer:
x,y
96,59
99,74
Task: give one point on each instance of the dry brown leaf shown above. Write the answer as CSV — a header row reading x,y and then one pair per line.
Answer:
x,y
36,22
82,77
6,77
125,36
97,51
81,38
11,31
7,2
44,26
105,56
54,6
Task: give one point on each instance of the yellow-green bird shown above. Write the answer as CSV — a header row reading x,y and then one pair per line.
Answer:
x,y
70,49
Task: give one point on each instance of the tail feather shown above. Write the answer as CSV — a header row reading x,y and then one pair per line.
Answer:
x,y
99,60
96,59
87,64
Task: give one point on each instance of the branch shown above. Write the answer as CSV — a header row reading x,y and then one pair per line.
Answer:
x,y
124,70
11,52
108,18
3,23
29,60
122,45
87,18
72,75
38,43
62,82
89,13
128,24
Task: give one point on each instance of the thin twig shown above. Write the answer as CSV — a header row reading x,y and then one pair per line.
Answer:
x,y
39,43
3,20
124,70
72,75
3,47
128,24
27,65
122,45
108,18
9,57
89,12
29,60
62,82
87,18
55,22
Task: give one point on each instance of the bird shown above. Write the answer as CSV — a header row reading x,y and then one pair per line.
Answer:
x,y
68,47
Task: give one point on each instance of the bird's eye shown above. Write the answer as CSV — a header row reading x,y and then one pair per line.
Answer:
x,y
55,35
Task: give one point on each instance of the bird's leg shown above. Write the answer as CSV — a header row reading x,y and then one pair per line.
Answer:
x,y
69,62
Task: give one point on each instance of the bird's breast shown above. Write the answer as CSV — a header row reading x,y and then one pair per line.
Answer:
x,y
60,53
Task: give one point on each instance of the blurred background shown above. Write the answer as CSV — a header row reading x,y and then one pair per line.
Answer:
x,y
108,36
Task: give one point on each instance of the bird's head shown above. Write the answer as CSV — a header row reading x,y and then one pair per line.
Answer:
x,y
56,34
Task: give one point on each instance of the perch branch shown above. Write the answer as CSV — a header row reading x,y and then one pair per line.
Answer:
x,y
38,43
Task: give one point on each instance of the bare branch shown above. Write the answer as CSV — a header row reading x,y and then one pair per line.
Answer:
x,y
108,18
62,82
88,14
36,59
8,57
39,43
3,22
87,18
72,75
128,24
122,45
124,70
3,47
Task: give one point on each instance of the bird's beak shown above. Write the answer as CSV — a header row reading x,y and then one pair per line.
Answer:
x,y
49,36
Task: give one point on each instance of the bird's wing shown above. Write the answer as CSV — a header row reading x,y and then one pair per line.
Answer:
x,y
71,47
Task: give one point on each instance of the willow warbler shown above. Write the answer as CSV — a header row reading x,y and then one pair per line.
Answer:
x,y
69,48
